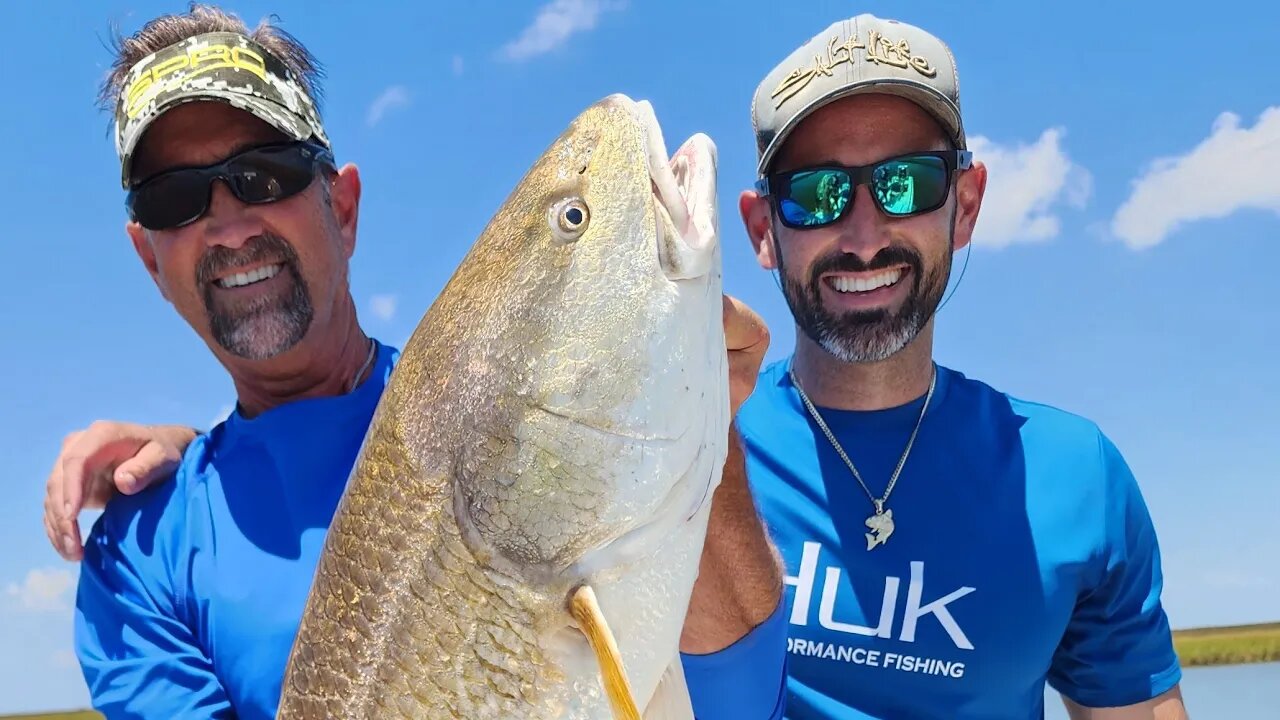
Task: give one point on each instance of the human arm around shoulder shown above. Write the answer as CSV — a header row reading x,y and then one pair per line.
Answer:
x,y
96,463
1116,660
133,639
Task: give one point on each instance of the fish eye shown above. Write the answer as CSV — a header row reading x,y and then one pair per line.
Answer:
x,y
569,219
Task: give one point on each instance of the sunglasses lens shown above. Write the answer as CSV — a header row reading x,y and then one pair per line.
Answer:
x,y
273,174
170,200
258,176
909,185
815,197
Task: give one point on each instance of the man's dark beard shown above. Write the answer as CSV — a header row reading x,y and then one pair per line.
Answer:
x,y
265,327
871,335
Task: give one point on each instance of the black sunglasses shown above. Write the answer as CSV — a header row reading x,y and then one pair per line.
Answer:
x,y
901,186
262,174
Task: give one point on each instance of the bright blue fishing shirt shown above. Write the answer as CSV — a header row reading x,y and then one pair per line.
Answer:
x,y
1022,553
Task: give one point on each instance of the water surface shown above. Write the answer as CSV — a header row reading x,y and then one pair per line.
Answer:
x,y
1229,692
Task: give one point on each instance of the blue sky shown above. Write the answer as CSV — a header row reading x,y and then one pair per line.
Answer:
x,y
1121,269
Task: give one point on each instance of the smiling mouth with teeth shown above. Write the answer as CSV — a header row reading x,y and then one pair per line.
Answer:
x,y
845,284
236,280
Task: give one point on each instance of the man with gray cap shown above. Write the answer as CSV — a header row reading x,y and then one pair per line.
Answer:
x,y
193,581
948,548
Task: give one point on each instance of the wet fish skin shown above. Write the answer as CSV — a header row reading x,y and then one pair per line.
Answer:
x,y
559,417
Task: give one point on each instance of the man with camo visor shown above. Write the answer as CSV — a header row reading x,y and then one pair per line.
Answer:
x,y
194,581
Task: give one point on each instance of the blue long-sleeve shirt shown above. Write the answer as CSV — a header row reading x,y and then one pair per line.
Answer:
x,y
190,592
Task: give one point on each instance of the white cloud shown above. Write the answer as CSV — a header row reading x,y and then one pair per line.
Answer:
x,y
457,65
555,23
1026,186
393,97
1232,169
43,590
383,306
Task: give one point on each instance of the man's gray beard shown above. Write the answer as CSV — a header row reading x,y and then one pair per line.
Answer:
x,y
867,343
268,326
871,336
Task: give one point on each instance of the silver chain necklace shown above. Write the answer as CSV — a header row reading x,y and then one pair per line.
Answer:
x,y
367,362
881,523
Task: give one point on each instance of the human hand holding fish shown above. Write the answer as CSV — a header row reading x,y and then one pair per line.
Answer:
x,y
746,339
740,576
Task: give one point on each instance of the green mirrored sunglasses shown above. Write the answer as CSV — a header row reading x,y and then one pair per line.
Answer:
x,y
901,186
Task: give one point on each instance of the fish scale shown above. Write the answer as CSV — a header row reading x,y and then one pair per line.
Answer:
x,y
455,632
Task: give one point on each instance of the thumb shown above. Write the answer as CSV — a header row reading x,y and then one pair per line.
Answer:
x,y
743,327
151,464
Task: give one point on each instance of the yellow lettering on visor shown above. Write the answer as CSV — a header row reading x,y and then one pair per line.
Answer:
x,y
161,77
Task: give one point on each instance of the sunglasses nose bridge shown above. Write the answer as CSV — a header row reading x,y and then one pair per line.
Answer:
x,y
227,220
221,195
863,230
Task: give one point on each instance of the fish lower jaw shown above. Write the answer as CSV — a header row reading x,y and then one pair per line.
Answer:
x,y
686,503
629,434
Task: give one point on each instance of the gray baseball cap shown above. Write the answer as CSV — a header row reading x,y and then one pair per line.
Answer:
x,y
220,66
863,54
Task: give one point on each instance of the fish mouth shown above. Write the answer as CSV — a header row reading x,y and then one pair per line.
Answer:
x,y
684,196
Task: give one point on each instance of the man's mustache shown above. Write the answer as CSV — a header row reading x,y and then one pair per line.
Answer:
x,y
886,258
256,249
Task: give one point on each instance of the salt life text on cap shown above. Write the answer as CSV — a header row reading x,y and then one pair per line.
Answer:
x,y
863,54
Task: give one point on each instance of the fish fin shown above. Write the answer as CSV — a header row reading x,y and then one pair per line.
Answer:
x,y
671,699
585,609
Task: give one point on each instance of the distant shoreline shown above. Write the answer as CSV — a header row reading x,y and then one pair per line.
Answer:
x,y
1228,645
1196,647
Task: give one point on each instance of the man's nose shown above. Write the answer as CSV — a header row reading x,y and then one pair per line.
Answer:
x,y
228,222
863,231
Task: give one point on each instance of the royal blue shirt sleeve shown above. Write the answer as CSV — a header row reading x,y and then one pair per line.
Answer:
x,y
1118,649
139,658
745,681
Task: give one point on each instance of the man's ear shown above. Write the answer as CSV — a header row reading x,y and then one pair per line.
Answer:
x,y
344,195
758,222
146,253
971,185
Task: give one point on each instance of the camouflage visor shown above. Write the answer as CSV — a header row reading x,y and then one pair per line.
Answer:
x,y
220,67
